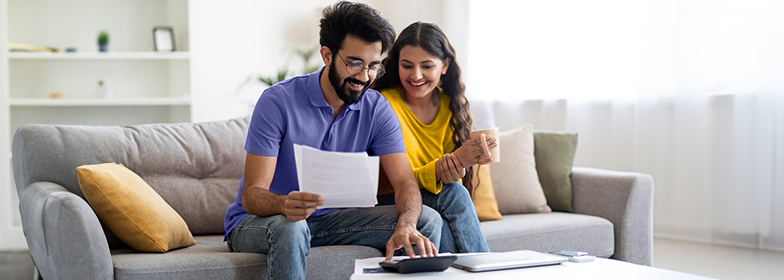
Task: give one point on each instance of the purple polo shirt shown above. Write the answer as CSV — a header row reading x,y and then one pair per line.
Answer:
x,y
294,111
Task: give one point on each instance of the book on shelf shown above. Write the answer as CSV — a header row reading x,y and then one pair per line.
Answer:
x,y
16,47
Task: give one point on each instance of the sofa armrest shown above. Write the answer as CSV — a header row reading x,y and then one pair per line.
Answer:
x,y
63,233
624,198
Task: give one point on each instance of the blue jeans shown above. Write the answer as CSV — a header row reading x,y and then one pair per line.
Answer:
x,y
461,232
287,244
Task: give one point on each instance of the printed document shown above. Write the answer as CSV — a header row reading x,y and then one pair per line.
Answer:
x,y
342,179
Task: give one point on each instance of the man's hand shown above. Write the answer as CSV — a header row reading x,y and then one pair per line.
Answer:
x,y
408,207
472,151
299,205
449,169
404,237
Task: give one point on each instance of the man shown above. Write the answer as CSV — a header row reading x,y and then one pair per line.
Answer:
x,y
330,109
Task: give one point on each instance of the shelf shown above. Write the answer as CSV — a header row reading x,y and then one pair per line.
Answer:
x,y
100,56
152,101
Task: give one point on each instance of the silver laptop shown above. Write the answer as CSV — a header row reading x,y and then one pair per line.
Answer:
x,y
506,260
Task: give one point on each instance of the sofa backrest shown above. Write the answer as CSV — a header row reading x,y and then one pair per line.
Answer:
x,y
196,168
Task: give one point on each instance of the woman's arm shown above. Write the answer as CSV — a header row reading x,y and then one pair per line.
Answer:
x,y
449,169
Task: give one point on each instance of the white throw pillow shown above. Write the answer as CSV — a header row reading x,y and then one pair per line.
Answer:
x,y
515,181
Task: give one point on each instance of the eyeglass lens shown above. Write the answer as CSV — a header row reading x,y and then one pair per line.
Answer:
x,y
356,66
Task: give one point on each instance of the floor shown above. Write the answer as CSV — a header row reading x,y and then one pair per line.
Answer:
x,y
715,261
17,265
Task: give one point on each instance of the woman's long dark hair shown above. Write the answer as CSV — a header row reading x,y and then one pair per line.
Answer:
x,y
430,38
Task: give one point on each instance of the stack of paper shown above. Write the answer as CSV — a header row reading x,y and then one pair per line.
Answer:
x,y
342,179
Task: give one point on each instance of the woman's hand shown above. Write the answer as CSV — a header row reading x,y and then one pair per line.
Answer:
x,y
472,151
449,169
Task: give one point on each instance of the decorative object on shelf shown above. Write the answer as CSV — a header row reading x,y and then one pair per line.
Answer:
x,y
71,49
163,38
15,47
56,95
105,89
103,41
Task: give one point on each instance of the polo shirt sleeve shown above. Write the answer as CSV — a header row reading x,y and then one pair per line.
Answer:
x,y
266,125
387,137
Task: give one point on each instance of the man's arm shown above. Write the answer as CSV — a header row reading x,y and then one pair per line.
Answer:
x,y
259,201
408,206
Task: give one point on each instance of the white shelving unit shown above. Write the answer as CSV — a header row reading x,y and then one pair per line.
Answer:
x,y
99,56
153,101
147,86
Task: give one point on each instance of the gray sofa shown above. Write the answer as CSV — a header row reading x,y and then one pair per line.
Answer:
x,y
196,169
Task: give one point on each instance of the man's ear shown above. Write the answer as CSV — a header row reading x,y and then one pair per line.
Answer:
x,y
326,55
446,66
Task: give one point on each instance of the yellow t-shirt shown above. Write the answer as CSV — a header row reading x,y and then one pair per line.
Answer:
x,y
424,143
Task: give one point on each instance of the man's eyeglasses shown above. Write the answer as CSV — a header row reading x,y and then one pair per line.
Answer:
x,y
356,66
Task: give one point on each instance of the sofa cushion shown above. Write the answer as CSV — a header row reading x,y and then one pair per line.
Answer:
x,y
210,258
554,152
483,195
131,209
515,182
551,232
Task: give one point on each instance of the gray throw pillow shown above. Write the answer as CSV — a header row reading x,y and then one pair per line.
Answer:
x,y
554,154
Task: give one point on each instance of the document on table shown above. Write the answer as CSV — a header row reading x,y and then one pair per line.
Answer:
x,y
342,179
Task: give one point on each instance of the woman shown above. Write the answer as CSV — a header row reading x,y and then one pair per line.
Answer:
x,y
424,88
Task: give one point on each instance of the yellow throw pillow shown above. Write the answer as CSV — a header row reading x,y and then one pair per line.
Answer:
x,y
483,194
131,209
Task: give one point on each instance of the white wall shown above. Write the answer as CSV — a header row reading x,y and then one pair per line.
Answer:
x,y
234,39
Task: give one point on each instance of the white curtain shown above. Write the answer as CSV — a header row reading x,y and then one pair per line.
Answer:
x,y
691,92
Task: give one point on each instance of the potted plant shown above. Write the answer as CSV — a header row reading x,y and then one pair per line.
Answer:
x,y
103,41
305,55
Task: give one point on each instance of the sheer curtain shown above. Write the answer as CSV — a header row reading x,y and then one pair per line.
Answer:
x,y
691,92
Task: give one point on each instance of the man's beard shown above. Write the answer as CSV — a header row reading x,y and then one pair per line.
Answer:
x,y
344,92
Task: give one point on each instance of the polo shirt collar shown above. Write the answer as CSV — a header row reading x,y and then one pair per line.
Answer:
x,y
317,95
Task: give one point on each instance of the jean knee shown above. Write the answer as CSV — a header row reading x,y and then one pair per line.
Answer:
x,y
291,232
457,199
457,191
430,223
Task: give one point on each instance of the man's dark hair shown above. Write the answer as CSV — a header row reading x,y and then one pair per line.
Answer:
x,y
357,19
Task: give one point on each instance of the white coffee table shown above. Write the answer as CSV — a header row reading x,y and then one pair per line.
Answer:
x,y
598,269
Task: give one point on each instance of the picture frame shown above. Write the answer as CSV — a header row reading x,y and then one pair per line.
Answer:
x,y
163,39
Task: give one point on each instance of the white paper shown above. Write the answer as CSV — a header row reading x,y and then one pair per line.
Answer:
x,y
342,179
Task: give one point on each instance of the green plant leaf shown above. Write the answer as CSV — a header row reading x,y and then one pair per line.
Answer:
x,y
306,55
271,81
282,74
103,37
312,69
